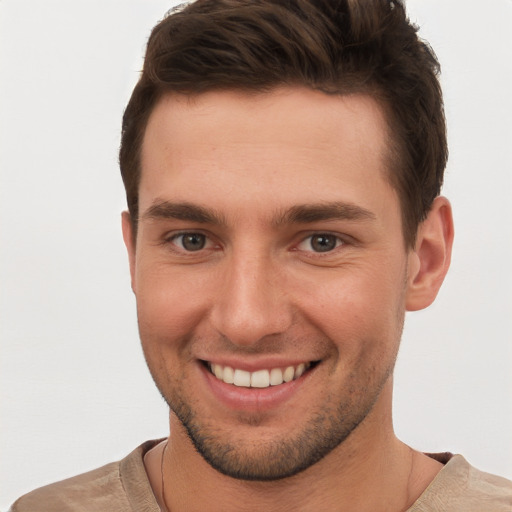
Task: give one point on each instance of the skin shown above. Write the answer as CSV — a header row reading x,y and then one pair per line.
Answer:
x,y
273,171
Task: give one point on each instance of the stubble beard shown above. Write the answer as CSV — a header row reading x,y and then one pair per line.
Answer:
x,y
286,456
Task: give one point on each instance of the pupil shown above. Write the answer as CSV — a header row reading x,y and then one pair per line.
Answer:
x,y
193,241
323,243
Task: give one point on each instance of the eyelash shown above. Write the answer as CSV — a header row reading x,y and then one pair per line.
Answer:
x,y
208,243
338,241
172,240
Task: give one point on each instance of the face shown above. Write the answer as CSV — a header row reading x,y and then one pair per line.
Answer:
x,y
270,273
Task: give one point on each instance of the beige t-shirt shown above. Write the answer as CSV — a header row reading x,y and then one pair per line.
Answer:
x,y
124,487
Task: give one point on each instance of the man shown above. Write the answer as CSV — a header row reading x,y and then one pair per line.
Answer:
x,y
282,163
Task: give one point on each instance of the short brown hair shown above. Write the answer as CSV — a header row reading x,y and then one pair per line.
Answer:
x,y
336,46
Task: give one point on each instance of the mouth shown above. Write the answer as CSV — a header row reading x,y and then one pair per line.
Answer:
x,y
263,378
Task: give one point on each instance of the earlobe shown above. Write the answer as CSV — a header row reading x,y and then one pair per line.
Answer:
x,y
430,259
129,242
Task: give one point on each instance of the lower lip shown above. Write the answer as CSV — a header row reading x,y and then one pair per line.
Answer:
x,y
253,399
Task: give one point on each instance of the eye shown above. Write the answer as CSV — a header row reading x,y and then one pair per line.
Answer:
x,y
190,241
320,242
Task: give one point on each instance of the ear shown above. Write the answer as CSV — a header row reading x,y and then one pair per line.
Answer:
x,y
129,242
430,259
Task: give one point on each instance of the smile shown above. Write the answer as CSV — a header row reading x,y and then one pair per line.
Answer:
x,y
259,378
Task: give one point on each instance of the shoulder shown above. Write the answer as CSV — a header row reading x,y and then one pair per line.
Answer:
x,y
489,488
460,486
101,485
113,487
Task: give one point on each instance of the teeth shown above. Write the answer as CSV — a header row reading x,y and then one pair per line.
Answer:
x,y
218,371
288,374
229,375
259,378
276,376
300,370
242,378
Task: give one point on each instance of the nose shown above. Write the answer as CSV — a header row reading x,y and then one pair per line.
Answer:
x,y
251,302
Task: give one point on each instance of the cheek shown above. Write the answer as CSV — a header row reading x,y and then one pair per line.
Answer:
x,y
361,310
168,306
166,319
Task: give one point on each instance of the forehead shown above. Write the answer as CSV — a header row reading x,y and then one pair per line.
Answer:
x,y
290,143
261,116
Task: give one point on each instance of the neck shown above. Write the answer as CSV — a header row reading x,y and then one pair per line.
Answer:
x,y
370,471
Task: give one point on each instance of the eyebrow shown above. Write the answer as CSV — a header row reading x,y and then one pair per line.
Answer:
x,y
309,213
183,211
299,214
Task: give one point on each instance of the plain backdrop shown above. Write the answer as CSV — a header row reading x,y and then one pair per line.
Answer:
x,y
75,392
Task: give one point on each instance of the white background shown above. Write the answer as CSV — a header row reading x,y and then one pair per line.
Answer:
x,y
75,392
